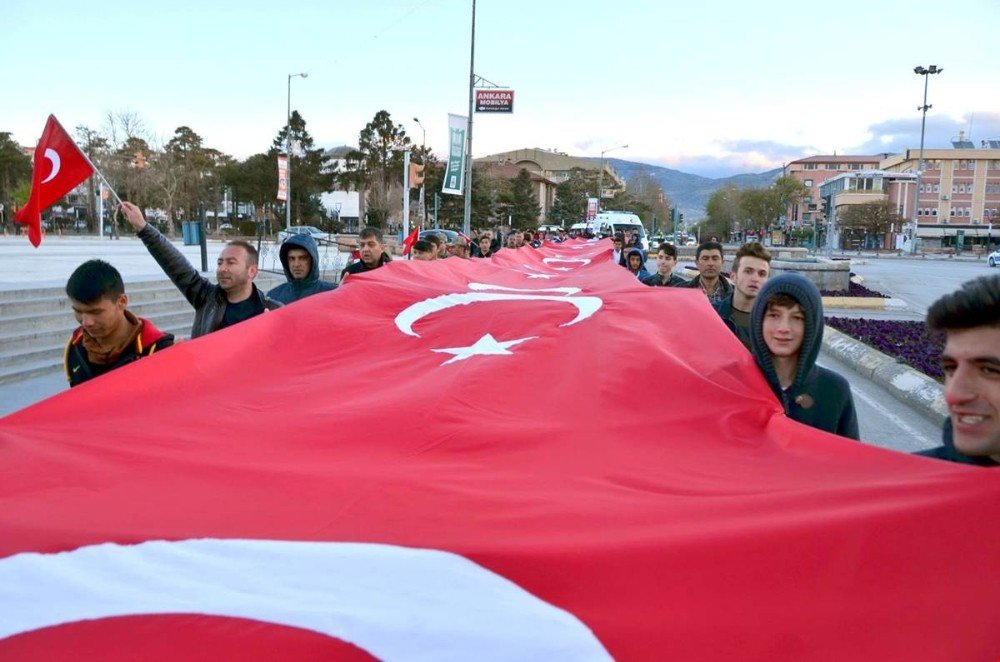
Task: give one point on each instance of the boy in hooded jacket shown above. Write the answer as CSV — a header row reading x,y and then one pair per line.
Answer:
x,y
786,331
636,262
300,260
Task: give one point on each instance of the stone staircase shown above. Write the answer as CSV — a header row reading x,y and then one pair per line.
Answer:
x,y
35,324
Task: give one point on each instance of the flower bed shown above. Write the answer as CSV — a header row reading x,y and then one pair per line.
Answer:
x,y
909,342
854,290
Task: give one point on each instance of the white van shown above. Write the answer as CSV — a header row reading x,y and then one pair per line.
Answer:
x,y
615,222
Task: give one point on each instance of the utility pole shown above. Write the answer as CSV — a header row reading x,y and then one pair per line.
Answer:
x,y
288,151
921,71
467,217
423,156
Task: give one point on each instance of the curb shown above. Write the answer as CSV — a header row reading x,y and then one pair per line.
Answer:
x,y
907,385
862,303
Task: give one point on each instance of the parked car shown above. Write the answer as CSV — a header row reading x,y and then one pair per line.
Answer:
x,y
994,258
317,234
450,234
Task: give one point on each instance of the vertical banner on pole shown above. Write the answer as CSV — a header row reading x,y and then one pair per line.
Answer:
x,y
283,178
454,173
591,208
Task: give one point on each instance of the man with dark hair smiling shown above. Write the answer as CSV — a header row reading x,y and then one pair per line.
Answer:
x,y
233,300
970,319
109,335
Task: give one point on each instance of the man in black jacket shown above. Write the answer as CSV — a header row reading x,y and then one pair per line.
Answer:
x,y
372,253
786,331
970,319
300,260
233,300
666,260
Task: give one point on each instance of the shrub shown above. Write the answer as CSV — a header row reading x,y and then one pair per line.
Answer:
x,y
911,343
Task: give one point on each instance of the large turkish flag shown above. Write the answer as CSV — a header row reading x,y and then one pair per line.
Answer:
x,y
526,457
59,167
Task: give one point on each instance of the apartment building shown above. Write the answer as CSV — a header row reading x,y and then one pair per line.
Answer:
x,y
813,171
959,198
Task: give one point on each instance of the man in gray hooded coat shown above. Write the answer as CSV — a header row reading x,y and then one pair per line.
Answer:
x,y
300,260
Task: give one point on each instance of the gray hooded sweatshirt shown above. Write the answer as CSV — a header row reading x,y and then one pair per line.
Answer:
x,y
294,290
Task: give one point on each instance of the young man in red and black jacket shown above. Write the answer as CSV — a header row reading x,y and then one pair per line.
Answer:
x,y
109,336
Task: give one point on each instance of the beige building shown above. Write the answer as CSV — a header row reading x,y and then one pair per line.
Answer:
x,y
557,167
959,194
544,188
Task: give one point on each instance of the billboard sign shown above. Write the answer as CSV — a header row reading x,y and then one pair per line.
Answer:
x,y
494,101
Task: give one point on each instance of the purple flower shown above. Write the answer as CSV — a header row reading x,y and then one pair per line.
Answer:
x,y
911,343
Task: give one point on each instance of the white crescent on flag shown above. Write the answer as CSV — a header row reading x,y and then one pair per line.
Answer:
x,y
53,156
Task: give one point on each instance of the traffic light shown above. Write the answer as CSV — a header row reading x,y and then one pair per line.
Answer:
x,y
416,175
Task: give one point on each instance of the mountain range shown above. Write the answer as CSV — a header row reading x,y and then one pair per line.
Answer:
x,y
689,193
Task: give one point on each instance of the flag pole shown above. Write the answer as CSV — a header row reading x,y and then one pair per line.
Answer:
x,y
99,174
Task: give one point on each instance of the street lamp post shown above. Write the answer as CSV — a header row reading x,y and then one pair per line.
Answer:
x,y
288,151
600,176
423,157
921,71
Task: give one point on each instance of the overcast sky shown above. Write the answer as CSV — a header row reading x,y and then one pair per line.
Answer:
x,y
709,87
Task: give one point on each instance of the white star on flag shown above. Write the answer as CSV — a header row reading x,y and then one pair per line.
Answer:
x,y
485,346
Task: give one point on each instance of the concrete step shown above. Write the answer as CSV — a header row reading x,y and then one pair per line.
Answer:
x,y
60,292
35,324
13,347
34,305
20,325
53,361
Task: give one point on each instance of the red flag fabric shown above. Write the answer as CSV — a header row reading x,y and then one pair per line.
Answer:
x,y
524,457
410,240
59,167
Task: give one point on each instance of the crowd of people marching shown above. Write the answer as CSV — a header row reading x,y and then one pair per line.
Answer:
x,y
778,320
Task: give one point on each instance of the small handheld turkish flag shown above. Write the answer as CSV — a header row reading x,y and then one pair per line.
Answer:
x,y
59,167
410,240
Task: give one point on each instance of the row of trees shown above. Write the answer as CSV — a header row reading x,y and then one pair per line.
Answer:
x,y
642,195
184,176
731,209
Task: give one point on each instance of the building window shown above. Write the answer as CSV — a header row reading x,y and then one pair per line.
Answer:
x,y
937,187
808,182
952,213
933,211
954,188
832,166
968,211
807,216
809,166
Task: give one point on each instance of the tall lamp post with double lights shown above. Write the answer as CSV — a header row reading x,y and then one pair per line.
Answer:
x,y
600,177
423,156
288,151
925,72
